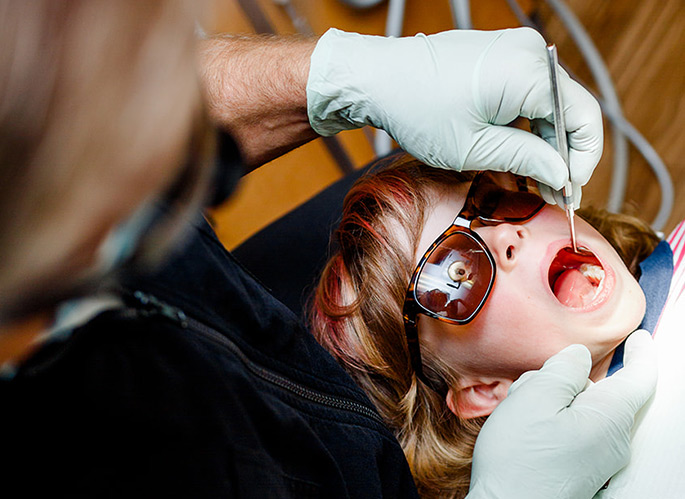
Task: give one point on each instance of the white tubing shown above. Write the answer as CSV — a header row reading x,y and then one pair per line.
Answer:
x,y
620,126
652,157
461,14
362,4
606,87
395,19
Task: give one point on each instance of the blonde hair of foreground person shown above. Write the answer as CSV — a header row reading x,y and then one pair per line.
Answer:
x,y
97,102
357,313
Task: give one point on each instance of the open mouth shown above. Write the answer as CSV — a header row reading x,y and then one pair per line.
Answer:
x,y
576,278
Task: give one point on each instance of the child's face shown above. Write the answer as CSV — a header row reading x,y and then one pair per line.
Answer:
x,y
523,323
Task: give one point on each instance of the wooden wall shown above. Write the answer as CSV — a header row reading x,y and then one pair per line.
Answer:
x,y
642,42
643,45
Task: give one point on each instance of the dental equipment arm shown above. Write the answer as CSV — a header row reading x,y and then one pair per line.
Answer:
x,y
554,436
447,98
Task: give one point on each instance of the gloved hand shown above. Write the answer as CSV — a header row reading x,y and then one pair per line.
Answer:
x,y
545,130
445,99
553,437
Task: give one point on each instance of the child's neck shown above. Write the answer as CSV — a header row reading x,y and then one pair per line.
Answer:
x,y
600,369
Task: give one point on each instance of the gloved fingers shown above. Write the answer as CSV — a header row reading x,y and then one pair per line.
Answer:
x,y
557,197
621,395
547,193
577,195
521,381
545,130
584,128
582,117
555,385
518,151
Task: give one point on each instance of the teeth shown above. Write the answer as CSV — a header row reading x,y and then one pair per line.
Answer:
x,y
594,273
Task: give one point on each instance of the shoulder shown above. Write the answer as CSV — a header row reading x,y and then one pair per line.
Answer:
x,y
122,403
113,369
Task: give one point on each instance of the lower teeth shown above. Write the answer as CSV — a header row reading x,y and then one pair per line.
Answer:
x,y
594,273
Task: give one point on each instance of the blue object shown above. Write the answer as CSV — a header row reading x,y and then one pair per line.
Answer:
x,y
655,281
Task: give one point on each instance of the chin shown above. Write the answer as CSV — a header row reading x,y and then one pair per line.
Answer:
x,y
624,320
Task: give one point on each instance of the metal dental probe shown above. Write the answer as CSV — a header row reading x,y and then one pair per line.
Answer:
x,y
562,142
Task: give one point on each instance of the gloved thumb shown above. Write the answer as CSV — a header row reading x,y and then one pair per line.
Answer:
x,y
545,130
585,137
629,388
557,197
555,385
517,151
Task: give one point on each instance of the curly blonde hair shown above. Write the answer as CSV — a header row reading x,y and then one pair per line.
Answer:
x,y
356,313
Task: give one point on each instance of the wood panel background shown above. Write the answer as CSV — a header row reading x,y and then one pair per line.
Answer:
x,y
641,41
643,45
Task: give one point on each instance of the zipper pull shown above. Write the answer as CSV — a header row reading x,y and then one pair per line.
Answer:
x,y
148,305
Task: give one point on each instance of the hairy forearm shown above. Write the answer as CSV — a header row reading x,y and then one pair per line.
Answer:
x,y
256,90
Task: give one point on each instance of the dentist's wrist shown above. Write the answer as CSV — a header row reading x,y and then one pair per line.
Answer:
x,y
347,77
255,88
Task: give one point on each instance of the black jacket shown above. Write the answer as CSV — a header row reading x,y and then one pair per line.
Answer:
x,y
203,386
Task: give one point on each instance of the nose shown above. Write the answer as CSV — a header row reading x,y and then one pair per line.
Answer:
x,y
505,242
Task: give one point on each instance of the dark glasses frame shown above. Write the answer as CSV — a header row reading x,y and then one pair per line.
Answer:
x,y
475,208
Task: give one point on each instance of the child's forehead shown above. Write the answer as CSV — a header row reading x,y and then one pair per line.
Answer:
x,y
444,205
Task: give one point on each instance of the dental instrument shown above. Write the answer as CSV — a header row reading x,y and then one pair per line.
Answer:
x,y
623,133
562,143
621,129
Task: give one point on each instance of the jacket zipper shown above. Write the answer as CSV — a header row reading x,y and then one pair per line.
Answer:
x,y
153,306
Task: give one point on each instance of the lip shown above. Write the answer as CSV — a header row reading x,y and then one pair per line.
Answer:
x,y
607,286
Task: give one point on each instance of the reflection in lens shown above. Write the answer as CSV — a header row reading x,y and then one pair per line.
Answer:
x,y
455,278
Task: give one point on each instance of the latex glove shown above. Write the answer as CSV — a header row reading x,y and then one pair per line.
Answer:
x,y
545,130
445,98
553,437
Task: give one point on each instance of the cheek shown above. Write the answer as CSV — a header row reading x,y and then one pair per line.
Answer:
x,y
626,307
552,221
512,334
521,326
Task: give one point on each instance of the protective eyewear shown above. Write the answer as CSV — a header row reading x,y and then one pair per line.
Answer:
x,y
455,276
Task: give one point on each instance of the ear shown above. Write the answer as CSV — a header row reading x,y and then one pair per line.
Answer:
x,y
476,397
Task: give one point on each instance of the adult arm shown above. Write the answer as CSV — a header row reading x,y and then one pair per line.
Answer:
x,y
256,90
446,98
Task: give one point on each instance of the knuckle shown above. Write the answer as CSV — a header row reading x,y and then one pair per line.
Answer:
x,y
530,36
590,108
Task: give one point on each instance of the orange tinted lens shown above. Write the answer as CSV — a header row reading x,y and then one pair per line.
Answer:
x,y
456,278
506,197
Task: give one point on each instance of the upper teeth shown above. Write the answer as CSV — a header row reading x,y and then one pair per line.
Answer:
x,y
594,273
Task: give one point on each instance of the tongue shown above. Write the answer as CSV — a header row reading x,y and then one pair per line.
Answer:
x,y
573,289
